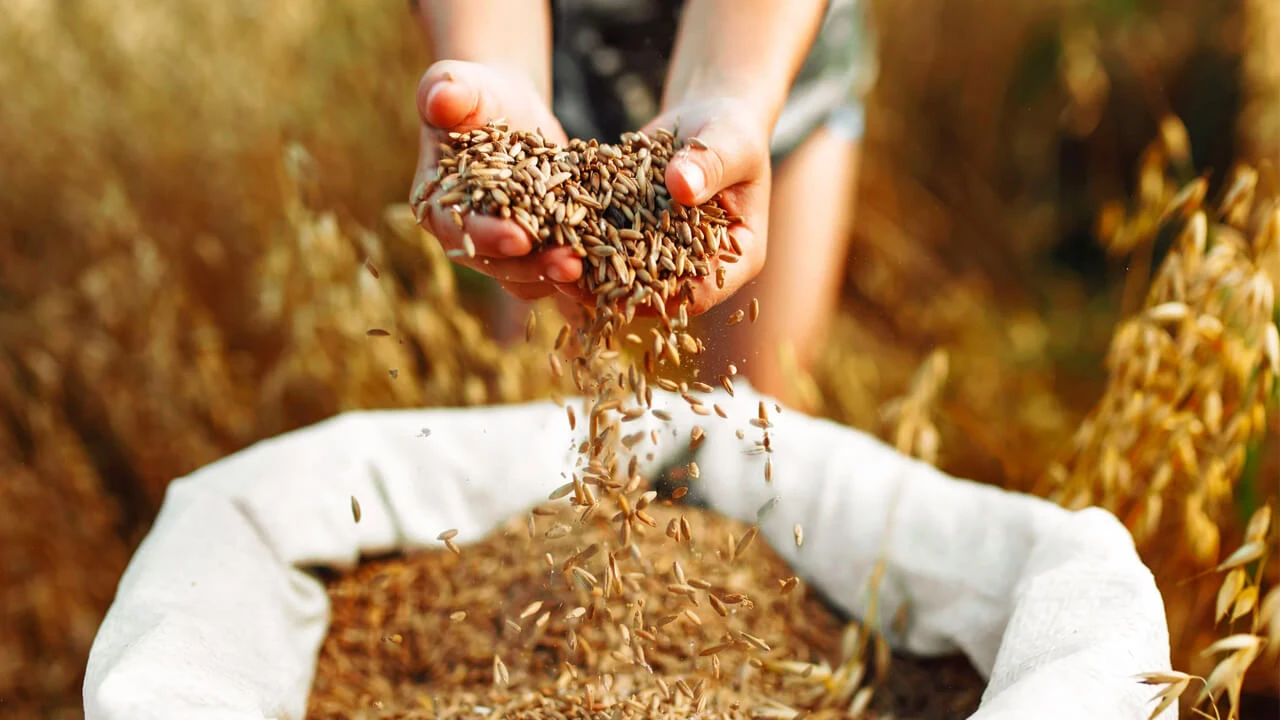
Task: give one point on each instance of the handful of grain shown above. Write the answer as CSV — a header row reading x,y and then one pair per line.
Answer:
x,y
607,202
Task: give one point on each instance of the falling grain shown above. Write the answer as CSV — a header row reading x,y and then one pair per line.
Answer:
x,y
530,325
745,541
696,436
501,677
727,384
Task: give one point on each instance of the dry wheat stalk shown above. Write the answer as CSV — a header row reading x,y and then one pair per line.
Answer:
x,y
1191,377
1241,601
1192,383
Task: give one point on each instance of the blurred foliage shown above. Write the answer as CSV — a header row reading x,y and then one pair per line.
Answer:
x,y
190,193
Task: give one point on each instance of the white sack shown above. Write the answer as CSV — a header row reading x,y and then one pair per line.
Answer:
x,y
213,618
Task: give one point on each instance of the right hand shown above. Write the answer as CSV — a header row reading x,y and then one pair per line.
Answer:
x,y
456,96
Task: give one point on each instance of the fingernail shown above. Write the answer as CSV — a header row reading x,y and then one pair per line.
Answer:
x,y
435,90
694,178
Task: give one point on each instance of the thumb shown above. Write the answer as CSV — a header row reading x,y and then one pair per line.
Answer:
x,y
456,96
721,155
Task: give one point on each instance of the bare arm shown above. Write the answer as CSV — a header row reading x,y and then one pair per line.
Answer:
x,y
746,49
508,34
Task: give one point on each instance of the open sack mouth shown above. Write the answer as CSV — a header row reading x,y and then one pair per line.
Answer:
x,y
219,616
550,616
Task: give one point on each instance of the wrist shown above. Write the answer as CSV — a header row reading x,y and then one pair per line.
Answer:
x,y
754,102
510,36
748,50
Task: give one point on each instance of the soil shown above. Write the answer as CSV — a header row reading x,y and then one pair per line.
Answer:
x,y
928,689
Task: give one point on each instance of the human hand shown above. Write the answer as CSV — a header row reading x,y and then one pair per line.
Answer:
x,y
458,96
729,161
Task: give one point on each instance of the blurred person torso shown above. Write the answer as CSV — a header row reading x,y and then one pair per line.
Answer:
x,y
611,57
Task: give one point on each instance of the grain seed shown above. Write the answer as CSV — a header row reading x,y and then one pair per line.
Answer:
x,y
696,436
562,336
530,325
745,541
531,609
501,677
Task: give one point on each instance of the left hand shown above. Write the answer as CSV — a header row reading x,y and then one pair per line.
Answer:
x,y
735,166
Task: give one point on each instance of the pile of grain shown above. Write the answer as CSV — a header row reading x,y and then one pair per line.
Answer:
x,y
515,624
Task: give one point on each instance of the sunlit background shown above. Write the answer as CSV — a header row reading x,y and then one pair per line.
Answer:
x,y
191,193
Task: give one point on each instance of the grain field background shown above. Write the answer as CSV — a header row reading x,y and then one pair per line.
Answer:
x,y
191,195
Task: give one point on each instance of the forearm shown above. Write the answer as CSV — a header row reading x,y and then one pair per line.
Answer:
x,y
515,34
748,49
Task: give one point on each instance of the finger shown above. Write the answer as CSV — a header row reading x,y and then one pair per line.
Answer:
x,y
426,169
576,294
557,265
496,237
725,154
709,292
489,237
530,269
457,96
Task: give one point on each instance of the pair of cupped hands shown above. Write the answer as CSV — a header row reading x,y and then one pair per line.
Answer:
x,y
456,96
